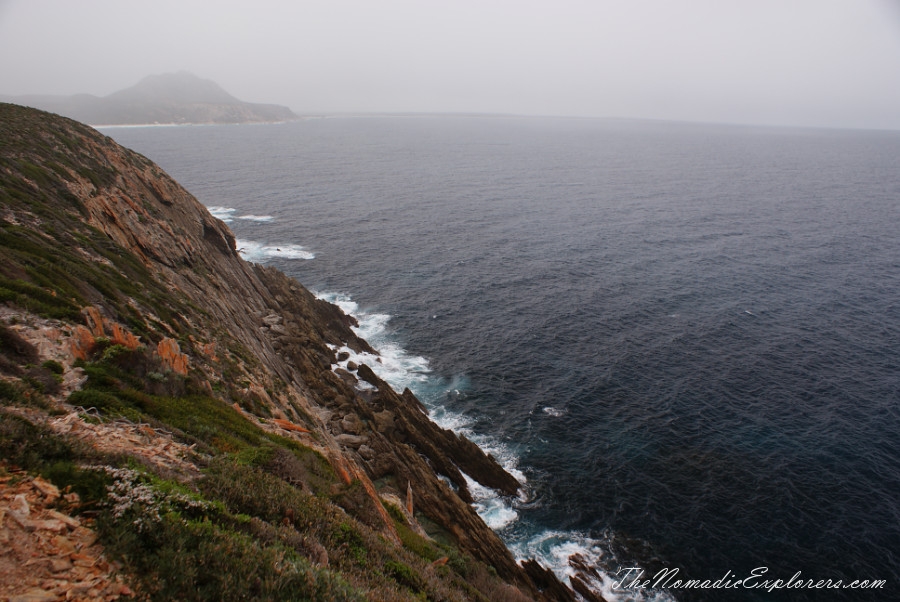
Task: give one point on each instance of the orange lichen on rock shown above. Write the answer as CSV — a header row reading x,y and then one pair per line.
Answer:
x,y
170,354
98,326
289,426
207,349
82,342
94,320
339,464
120,336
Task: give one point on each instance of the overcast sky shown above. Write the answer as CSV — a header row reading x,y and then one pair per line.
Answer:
x,y
796,62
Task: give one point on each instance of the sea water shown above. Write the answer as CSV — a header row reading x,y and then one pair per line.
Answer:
x,y
683,339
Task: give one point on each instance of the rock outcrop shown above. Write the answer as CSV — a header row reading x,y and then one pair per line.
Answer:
x,y
137,275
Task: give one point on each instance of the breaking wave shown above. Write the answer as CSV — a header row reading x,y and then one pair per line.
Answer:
x,y
258,252
227,215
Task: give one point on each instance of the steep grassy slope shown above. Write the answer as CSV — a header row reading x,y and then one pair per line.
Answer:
x,y
189,398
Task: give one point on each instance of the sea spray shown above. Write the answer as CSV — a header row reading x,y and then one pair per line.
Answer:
x,y
227,215
258,252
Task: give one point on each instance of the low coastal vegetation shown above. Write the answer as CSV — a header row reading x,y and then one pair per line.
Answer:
x,y
266,518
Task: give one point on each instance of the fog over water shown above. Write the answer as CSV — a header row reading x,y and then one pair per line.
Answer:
x,y
804,62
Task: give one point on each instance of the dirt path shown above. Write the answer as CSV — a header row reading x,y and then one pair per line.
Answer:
x,y
47,555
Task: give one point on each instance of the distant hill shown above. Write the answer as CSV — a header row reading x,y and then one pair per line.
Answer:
x,y
170,98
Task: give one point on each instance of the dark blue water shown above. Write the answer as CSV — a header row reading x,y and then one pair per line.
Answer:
x,y
688,336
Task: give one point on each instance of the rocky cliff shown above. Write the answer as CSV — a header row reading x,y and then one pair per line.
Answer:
x,y
192,402
181,98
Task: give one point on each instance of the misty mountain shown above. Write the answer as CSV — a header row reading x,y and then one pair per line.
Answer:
x,y
170,98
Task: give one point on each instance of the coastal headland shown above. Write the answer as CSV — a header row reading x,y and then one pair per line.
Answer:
x,y
180,414
167,99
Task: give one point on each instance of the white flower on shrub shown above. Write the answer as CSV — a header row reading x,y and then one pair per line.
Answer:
x,y
132,496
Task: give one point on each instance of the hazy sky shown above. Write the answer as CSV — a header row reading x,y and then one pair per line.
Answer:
x,y
803,62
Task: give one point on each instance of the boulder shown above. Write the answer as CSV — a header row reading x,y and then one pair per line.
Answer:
x,y
272,320
353,441
346,376
384,422
366,452
351,424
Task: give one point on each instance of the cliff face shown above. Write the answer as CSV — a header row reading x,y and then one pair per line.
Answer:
x,y
168,98
137,297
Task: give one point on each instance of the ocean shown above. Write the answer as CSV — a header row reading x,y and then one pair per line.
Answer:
x,y
683,339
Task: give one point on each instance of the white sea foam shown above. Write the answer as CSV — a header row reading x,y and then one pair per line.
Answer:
x,y
365,386
256,218
226,214
493,510
392,364
258,252
554,549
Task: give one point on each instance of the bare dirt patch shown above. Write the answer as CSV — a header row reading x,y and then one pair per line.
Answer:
x,y
47,555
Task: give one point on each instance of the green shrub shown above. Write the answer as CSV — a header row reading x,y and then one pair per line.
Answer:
x,y
53,366
91,398
209,420
28,391
42,380
417,544
37,300
31,446
15,348
115,352
10,393
255,456
190,560
105,378
90,484
403,575
181,548
356,501
300,466
349,536
252,491
395,513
